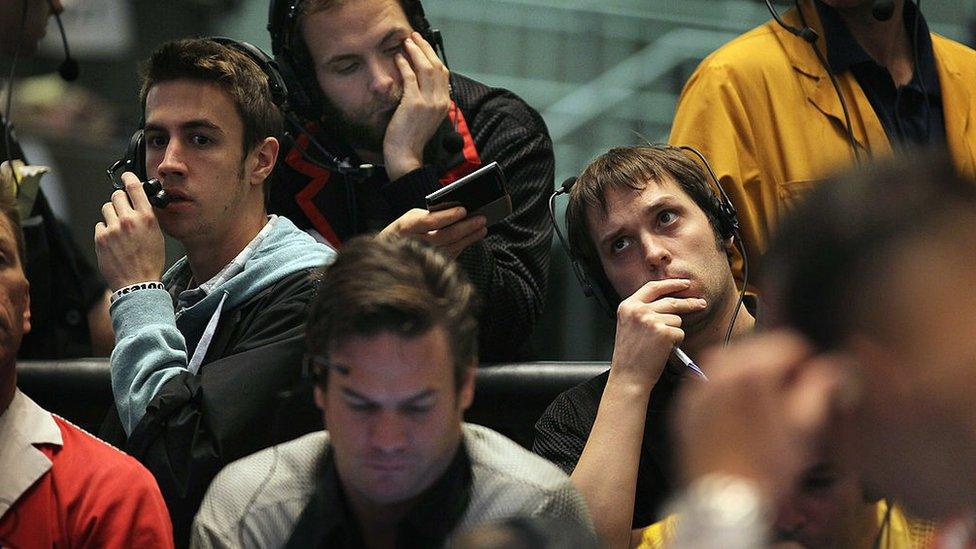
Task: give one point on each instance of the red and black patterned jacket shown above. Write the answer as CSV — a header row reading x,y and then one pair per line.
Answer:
x,y
509,266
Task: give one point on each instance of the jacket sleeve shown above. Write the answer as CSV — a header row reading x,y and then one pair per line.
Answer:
x,y
712,117
149,350
236,405
509,266
558,437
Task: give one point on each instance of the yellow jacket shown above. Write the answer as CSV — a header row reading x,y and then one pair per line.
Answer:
x,y
898,532
763,111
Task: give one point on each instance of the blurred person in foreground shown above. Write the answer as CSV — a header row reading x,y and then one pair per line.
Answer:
x,y
871,280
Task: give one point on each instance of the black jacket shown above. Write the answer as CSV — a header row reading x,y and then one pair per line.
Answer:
x,y
248,395
64,286
510,266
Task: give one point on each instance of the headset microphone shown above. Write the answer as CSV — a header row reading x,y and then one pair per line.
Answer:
x,y
882,10
69,67
806,33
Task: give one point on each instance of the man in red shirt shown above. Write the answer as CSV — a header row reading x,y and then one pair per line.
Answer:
x,y
60,486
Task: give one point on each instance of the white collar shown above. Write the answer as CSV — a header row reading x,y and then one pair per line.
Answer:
x,y
23,425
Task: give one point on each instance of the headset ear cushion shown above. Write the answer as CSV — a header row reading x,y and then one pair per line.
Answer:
x,y
135,154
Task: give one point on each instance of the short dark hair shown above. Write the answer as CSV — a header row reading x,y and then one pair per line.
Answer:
x,y
205,60
839,242
393,284
9,211
411,8
630,168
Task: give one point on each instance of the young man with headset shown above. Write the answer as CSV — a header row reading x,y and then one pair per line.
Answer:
x,y
203,350
834,82
399,126
652,242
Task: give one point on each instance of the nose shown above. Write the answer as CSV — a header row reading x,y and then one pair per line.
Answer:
x,y
171,165
388,433
657,256
383,75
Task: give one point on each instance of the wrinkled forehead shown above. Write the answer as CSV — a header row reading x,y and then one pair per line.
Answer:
x,y
620,202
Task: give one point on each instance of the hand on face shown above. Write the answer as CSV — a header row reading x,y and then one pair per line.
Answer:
x,y
648,328
450,230
765,415
128,242
424,104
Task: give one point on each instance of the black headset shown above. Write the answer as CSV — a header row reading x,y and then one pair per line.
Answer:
x,y
296,67
295,62
718,207
135,156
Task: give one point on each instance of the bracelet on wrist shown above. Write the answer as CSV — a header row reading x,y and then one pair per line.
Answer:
x,y
135,288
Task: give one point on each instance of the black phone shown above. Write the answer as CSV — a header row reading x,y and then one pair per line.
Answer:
x,y
481,192
135,161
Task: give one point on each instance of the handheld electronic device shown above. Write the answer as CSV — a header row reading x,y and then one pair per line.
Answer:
x,y
481,192
135,161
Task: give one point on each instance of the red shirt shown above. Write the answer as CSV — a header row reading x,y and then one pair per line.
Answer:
x,y
93,495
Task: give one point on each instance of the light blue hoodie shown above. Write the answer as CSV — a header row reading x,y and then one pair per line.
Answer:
x,y
152,345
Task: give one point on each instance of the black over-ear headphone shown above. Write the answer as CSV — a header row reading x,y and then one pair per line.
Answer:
x,y
295,62
719,207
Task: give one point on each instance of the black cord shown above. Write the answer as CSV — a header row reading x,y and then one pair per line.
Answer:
x,y
833,80
885,523
8,127
745,284
918,71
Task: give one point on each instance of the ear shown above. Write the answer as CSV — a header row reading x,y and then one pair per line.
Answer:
x,y
729,244
319,397
264,155
27,308
466,389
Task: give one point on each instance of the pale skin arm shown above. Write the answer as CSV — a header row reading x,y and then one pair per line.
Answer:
x,y
648,328
450,230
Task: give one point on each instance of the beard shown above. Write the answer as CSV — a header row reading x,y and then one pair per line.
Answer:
x,y
364,128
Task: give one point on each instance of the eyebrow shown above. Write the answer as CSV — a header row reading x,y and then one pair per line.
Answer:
x,y
659,203
197,124
413,399
347,56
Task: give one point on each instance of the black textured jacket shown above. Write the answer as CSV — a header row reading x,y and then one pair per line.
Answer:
x,y
510,266
64,286
247,396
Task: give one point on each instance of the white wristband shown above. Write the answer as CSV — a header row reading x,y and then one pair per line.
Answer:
x,y
722,511
135,288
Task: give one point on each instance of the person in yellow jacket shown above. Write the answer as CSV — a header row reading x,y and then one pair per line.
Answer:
x,y
827,510
897,531
764,112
